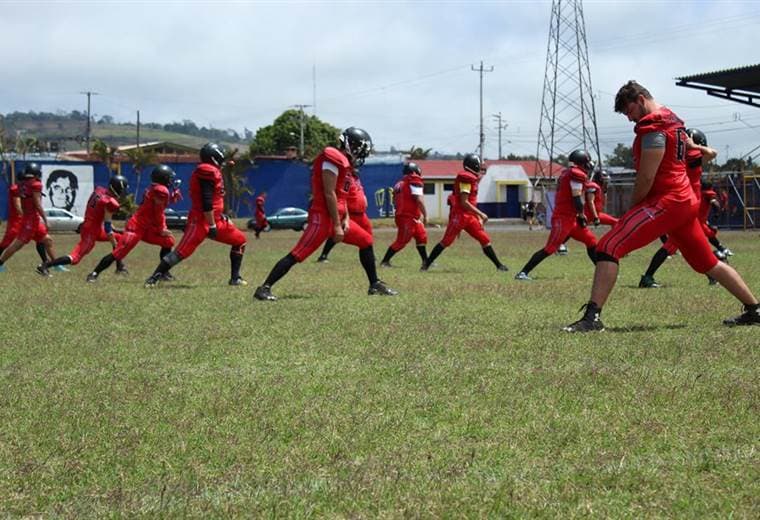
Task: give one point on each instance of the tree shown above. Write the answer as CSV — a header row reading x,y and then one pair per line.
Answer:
x,y
235,181
513,157
106,154
622,155
285,132
139,159
417,153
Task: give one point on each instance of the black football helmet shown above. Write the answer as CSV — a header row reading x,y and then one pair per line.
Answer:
x,y
162,174
32,170
582,159
118,185
412,169
212,153
471,163
697,136
357,144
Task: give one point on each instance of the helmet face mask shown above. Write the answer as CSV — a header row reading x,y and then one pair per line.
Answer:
x,y
118,185
412,169
212,153
357,144
163,175
471,163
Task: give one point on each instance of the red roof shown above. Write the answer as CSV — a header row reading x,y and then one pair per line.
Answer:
x,y
439,169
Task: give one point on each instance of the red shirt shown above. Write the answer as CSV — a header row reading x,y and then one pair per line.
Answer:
x,y
260,206
206,172
592,187
694,170
99,202
342,184
563,202
26,190
356,200
705,204
150,214
404,199
670,178
465,182
13,193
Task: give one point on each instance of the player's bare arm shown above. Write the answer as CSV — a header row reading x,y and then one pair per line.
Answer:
x,y
329,180
17,204
590,197
421,206
469,208
648,165
37,197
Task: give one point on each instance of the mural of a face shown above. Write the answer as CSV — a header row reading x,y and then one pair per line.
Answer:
x,y
62,186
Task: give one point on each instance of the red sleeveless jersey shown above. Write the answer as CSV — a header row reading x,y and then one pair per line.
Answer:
x,y
405,202
563,202
150,214
465,181
206,172
670,178
99,202
342,184
26,190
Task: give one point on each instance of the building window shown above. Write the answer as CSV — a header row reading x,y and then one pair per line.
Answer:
x,y
448,187
429,188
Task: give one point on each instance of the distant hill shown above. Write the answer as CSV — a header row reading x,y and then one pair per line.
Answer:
x,y
66,131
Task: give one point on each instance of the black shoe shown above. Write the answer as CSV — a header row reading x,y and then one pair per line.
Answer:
x,y
648,282
123,271
168,277
92,277
152,282
502,267
322,259
42,271
748,317
385,264
237,281
590,322
264,293
380,288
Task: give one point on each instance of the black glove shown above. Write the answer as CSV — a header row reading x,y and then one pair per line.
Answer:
x,y
581,220
597,221
212,232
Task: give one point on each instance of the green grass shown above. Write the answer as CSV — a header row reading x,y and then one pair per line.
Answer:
x,y
458,398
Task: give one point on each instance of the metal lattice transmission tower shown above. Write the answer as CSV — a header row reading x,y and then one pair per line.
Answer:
x,y
568,116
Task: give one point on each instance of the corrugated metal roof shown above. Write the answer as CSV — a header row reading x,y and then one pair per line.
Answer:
x,y
745,78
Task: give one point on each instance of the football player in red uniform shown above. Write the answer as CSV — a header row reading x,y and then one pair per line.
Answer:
x,y
97,226
568,218
206,219
411,215
356,205
331,181
147,224
465,215
260,215
26,219
595,192
663,203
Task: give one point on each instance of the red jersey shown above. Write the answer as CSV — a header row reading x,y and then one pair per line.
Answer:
x,y
13,193
465,182
26,190
150,214
260,205
694,170
705,204
99,202
356,200
206,172
342,184
592,187
404,193
563,202
671,175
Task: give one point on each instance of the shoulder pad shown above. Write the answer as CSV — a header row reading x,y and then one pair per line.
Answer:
x,y
578,175
160,189
207,171
13,190
592,186
416,181
336,156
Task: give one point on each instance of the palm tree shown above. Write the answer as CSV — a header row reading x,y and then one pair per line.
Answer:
x,y
417,153
235,182
140,158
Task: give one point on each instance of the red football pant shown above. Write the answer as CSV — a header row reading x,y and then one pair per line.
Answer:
x,y
649,220
87,239
563,227
460,221
32,229
196,231
132,236
11,232
320,228
408,228
361,220
604,218
671,246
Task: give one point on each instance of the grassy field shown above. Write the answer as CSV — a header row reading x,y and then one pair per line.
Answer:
x,y
458,398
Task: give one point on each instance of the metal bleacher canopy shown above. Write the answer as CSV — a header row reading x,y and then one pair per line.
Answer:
x,y
741,84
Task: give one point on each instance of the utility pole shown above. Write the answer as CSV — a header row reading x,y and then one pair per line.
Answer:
x,y
138,129
301,143
500,125
314,90
88,94
482,134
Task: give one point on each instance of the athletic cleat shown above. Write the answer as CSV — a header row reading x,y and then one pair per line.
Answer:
x,y
123,271
322,259
562,250
711,280
728,252
720,255
648,282
385,264
264,293
168,277
237,281
152,282
523,276
424,266
92,277
748,317
502,267
42,271
380,288
590,322
60,268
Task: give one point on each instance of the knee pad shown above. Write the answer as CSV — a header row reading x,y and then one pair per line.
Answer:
x,y
238,250
172,259
604,257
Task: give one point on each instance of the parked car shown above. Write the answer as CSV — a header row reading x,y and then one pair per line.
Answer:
x,y
175,219
62,220
285,218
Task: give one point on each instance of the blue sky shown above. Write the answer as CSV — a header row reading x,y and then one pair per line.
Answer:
x,y
402,70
